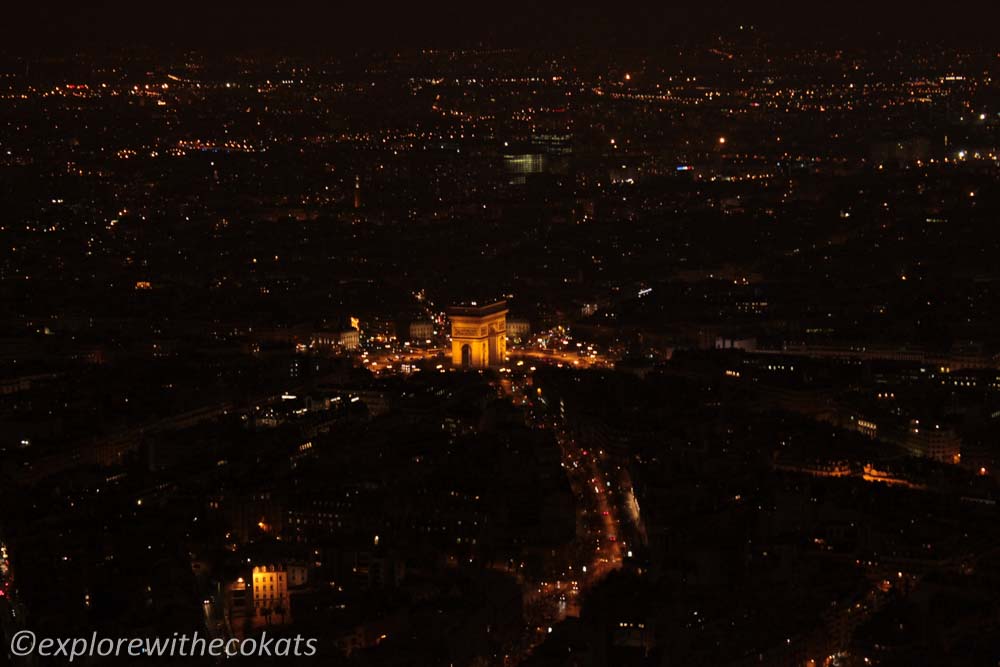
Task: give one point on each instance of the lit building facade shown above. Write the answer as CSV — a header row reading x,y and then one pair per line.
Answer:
x,y
421,330
518,330
347,339
479,335
270,590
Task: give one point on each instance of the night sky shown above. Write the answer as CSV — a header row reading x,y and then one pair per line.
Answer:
x,y
337,26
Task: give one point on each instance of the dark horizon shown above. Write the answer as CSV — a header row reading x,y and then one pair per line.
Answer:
x,y
303,26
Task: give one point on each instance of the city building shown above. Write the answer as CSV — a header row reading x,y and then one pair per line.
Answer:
x,y
270,591
347,339
933,442
421,330
518,330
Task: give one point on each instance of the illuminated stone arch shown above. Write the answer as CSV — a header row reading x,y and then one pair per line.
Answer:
x,y
479,335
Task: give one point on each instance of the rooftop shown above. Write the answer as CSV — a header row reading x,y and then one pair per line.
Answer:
x,y
478,308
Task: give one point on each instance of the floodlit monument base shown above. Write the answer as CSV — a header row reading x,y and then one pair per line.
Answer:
x,y
478,335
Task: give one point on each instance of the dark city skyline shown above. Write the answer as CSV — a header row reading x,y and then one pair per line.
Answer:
x,y
500,335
